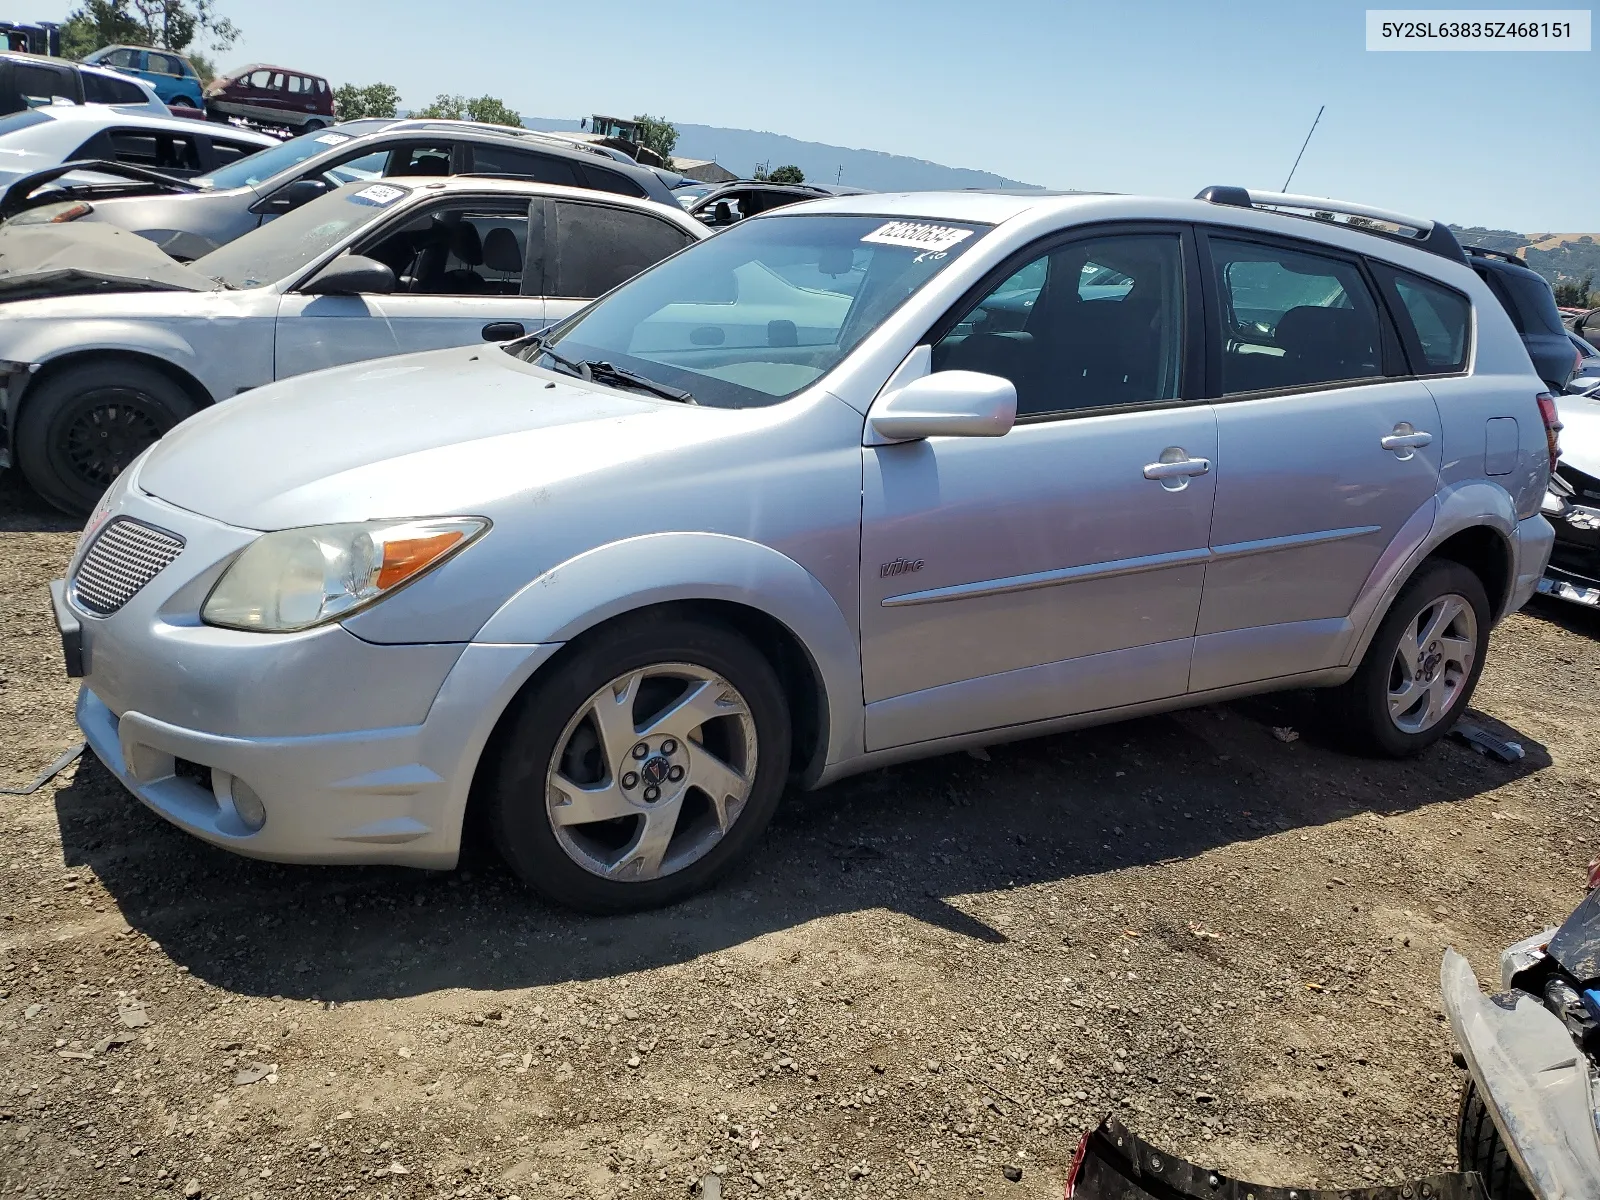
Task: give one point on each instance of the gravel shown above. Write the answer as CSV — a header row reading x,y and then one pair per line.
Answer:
x,y
929,983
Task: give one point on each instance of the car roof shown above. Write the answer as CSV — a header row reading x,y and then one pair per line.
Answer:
x,y
984,207
446,185
110,114
234,74
481,131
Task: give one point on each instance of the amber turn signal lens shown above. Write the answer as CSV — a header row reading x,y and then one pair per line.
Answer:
x,y
403,559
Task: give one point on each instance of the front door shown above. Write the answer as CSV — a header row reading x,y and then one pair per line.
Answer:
x,y
1322,458
1057,569
459,268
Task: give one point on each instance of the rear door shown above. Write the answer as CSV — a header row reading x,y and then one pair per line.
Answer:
x,y
460,266
1327,454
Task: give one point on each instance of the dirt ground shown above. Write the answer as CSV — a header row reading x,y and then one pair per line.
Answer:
x,y
930,977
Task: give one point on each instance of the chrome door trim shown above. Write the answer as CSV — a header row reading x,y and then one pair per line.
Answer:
x,y
1040,579
1288,540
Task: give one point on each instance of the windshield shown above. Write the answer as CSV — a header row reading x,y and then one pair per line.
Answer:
x,y
264,164
280,248
756,314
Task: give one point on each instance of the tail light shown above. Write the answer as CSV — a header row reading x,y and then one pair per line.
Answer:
x,y
1552,426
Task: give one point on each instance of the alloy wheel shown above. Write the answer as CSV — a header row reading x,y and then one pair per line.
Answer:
x,y
1432,663
651,772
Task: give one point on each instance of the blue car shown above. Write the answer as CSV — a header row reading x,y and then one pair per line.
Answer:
x,y
173,79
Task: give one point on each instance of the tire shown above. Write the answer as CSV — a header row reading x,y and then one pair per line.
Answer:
x,y
183,102
554,758
313,125
1479,1148
1365,707
80,428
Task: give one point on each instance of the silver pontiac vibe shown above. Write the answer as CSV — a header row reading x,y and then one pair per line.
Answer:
x,y
866,479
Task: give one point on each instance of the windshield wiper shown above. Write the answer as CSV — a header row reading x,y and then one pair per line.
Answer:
x,y
605,372
536,343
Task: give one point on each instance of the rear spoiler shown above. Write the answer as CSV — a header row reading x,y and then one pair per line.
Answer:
x,y
140,181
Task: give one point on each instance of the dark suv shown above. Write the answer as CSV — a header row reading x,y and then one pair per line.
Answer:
x,y
1529,301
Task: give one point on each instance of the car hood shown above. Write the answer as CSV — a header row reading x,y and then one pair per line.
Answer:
x,y
63,260
1580,432
445,431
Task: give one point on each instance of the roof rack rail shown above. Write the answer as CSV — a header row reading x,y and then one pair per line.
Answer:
x,y
1502,255
1432,236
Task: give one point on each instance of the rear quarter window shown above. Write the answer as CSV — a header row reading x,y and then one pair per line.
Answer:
x,y
1435,321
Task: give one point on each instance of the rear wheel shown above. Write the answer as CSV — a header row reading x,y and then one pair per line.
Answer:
x,y
645,766
80,429
313,125
1479,1148
1422,666
182,102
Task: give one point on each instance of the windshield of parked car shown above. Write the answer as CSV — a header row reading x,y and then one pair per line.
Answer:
x,y
756,314
282,247
264,164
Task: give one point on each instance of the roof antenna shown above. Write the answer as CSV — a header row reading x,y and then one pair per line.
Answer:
x,y
1303,146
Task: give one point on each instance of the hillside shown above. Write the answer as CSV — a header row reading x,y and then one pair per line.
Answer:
x,y
1559,257
741,150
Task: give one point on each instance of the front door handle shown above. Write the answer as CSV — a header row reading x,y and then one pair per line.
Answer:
x,y
1405,439
1176,468
502,331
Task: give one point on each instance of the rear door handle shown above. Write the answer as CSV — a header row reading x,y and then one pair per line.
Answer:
x,y
502,331
1405,439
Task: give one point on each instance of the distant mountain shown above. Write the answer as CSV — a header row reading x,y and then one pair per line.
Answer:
x,y
1559,257
740,150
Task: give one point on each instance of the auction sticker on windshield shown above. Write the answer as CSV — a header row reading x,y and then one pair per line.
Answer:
x,y
332,139
917,235
379,194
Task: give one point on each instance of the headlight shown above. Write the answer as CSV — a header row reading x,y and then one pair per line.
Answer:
x,y
58,213
297,578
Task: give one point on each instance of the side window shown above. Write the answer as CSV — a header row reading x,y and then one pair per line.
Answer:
x,y
164,64
120,58
424,159
277,83
1440,319
602,180
294,84
38,84
544,168
462,249
349,170
1292,319
102,89
597,247
1089,325
227,152
322,87
260,79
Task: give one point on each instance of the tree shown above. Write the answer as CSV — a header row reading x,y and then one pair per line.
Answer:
x,y
372,100
487,110
1574,293
658,134
786,174
165,24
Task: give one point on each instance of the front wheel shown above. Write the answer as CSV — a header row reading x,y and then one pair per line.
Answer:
x,y
644,767
1422,666
80,428
183,102
1479,1148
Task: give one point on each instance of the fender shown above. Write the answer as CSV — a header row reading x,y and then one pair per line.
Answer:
x,y
1459,506
657,568
47,340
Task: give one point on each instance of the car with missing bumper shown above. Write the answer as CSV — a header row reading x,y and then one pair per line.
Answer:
x,y
1573,504
106,343
795,503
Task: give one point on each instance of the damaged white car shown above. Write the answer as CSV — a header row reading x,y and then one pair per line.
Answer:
x,y
106,343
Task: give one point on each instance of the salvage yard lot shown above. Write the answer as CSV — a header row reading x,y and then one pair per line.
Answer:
x,y
929,975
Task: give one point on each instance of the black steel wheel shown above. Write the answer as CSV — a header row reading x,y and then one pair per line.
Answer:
x,y
80,428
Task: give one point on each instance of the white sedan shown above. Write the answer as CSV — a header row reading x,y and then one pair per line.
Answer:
x,y
39,138
106,343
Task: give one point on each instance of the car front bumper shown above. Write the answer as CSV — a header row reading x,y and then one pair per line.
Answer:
x,y
1533,1078
352,752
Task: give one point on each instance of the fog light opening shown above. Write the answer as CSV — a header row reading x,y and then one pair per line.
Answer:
x,y
247,805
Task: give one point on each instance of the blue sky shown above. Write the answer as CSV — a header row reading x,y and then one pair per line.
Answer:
x,y
1160,98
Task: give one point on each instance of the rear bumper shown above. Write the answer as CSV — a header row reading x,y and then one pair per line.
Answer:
x,y
1535,537
1533,1079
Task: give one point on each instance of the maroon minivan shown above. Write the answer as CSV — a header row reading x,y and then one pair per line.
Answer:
x,y
272,96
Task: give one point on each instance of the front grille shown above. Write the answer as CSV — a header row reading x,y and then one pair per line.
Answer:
x,y
123,557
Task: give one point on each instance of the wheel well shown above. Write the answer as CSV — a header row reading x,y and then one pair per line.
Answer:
x,y
798,675
192,386
1486,554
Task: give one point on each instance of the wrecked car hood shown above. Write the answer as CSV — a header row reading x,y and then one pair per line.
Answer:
x,y
73,259
1580,432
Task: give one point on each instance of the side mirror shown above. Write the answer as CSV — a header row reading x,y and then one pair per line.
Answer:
x,y
944,404
350,275
302,191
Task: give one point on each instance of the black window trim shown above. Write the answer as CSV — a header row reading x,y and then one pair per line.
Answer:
x,y
1410,340
1394,365
1190,374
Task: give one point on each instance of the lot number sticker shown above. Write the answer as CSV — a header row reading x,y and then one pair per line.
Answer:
x,y
379,194
332,139
917,235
